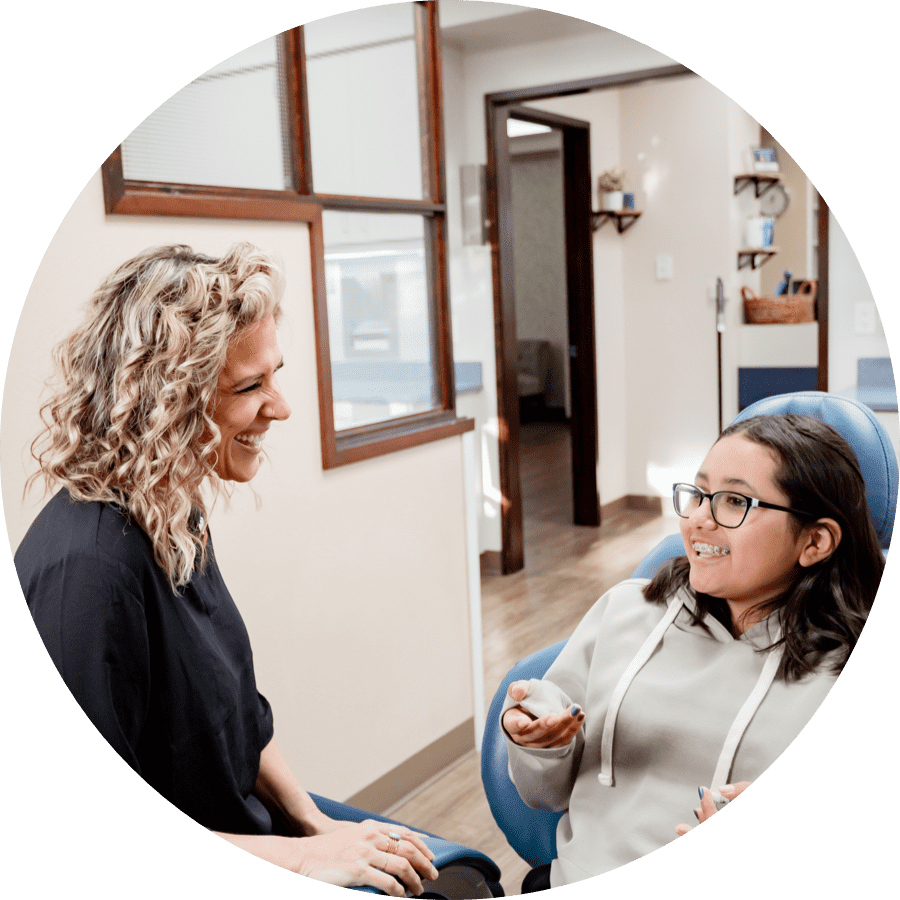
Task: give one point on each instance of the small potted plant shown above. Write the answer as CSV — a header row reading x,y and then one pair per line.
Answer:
x,y
610,185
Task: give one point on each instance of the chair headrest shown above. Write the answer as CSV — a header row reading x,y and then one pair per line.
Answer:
x,y
863,432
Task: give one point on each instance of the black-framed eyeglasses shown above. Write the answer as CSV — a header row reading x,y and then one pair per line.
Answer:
x,y
728,508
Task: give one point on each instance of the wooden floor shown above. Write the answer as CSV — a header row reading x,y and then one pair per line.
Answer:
x,y
566,569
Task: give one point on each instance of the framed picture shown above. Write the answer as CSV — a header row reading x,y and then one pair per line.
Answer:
x,y
765,159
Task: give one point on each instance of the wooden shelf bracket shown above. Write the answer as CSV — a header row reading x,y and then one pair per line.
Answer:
x,y
761,181
755,257
624,218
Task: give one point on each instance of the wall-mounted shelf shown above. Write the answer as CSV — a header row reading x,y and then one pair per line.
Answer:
x,y
624,218
755,257
761,182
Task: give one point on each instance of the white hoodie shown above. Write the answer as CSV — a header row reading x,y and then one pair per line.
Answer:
x,y
669,707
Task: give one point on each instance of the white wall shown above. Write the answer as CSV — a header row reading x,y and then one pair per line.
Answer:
x,y
472,309
350,580
848,287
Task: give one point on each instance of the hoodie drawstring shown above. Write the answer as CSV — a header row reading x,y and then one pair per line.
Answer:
x,y
605,777
742,720
722,774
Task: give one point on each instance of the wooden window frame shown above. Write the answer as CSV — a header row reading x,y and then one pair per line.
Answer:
x,y
302,205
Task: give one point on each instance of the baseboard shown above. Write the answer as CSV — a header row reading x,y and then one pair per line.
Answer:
x,y
613,508
640,502
652,504
402,780
491,563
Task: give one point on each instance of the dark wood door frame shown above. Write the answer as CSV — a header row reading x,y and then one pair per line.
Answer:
x,y
499,107
822,292
580,290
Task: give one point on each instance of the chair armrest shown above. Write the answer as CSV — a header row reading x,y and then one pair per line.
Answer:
x,y
530,832
445,852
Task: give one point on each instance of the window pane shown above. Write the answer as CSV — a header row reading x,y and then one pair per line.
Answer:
x,y
226,128
378,317
363,100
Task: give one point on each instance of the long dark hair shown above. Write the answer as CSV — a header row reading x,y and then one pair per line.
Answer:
x,y
824,611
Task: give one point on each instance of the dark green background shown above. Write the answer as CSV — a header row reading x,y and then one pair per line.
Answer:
x,y
78,78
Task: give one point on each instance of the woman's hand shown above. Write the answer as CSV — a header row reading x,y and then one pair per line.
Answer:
x,y
707,806
367,853
546,732
354,854
339,852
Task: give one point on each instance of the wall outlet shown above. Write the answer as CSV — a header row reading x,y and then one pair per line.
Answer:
x,y
864,318
663,268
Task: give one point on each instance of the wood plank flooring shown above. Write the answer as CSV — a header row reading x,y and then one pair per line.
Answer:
x,y
566,569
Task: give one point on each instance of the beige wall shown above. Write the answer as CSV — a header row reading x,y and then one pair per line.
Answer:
x,y
350,580
672,131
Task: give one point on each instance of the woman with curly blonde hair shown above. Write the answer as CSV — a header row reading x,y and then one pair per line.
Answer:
x,y
166,389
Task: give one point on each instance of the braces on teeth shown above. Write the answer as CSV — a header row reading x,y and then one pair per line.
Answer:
x,y
709,548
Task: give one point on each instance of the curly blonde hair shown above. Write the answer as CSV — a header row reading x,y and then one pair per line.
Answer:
x,y
131,421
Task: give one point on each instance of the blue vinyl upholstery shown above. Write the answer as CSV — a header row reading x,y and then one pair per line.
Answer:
x,y
863,432
532,833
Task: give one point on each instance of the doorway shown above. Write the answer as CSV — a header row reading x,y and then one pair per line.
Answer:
x,y
542,330
580,353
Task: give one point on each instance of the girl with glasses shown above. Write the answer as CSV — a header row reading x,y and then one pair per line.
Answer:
x,y
697,680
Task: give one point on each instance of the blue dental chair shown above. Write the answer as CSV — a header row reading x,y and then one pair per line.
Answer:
x,y
532,833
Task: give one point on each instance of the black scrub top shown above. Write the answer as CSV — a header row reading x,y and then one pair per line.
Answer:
x,y
167,678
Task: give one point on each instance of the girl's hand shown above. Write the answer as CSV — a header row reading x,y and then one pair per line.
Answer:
x,y
364,853
554,730
707,806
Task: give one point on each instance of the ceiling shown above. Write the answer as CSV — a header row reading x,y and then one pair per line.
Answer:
x,y
511,29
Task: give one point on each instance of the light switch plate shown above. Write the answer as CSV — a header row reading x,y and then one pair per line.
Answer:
x,y
663,268
864,321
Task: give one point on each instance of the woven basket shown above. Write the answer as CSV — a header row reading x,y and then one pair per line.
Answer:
x,y
786,309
